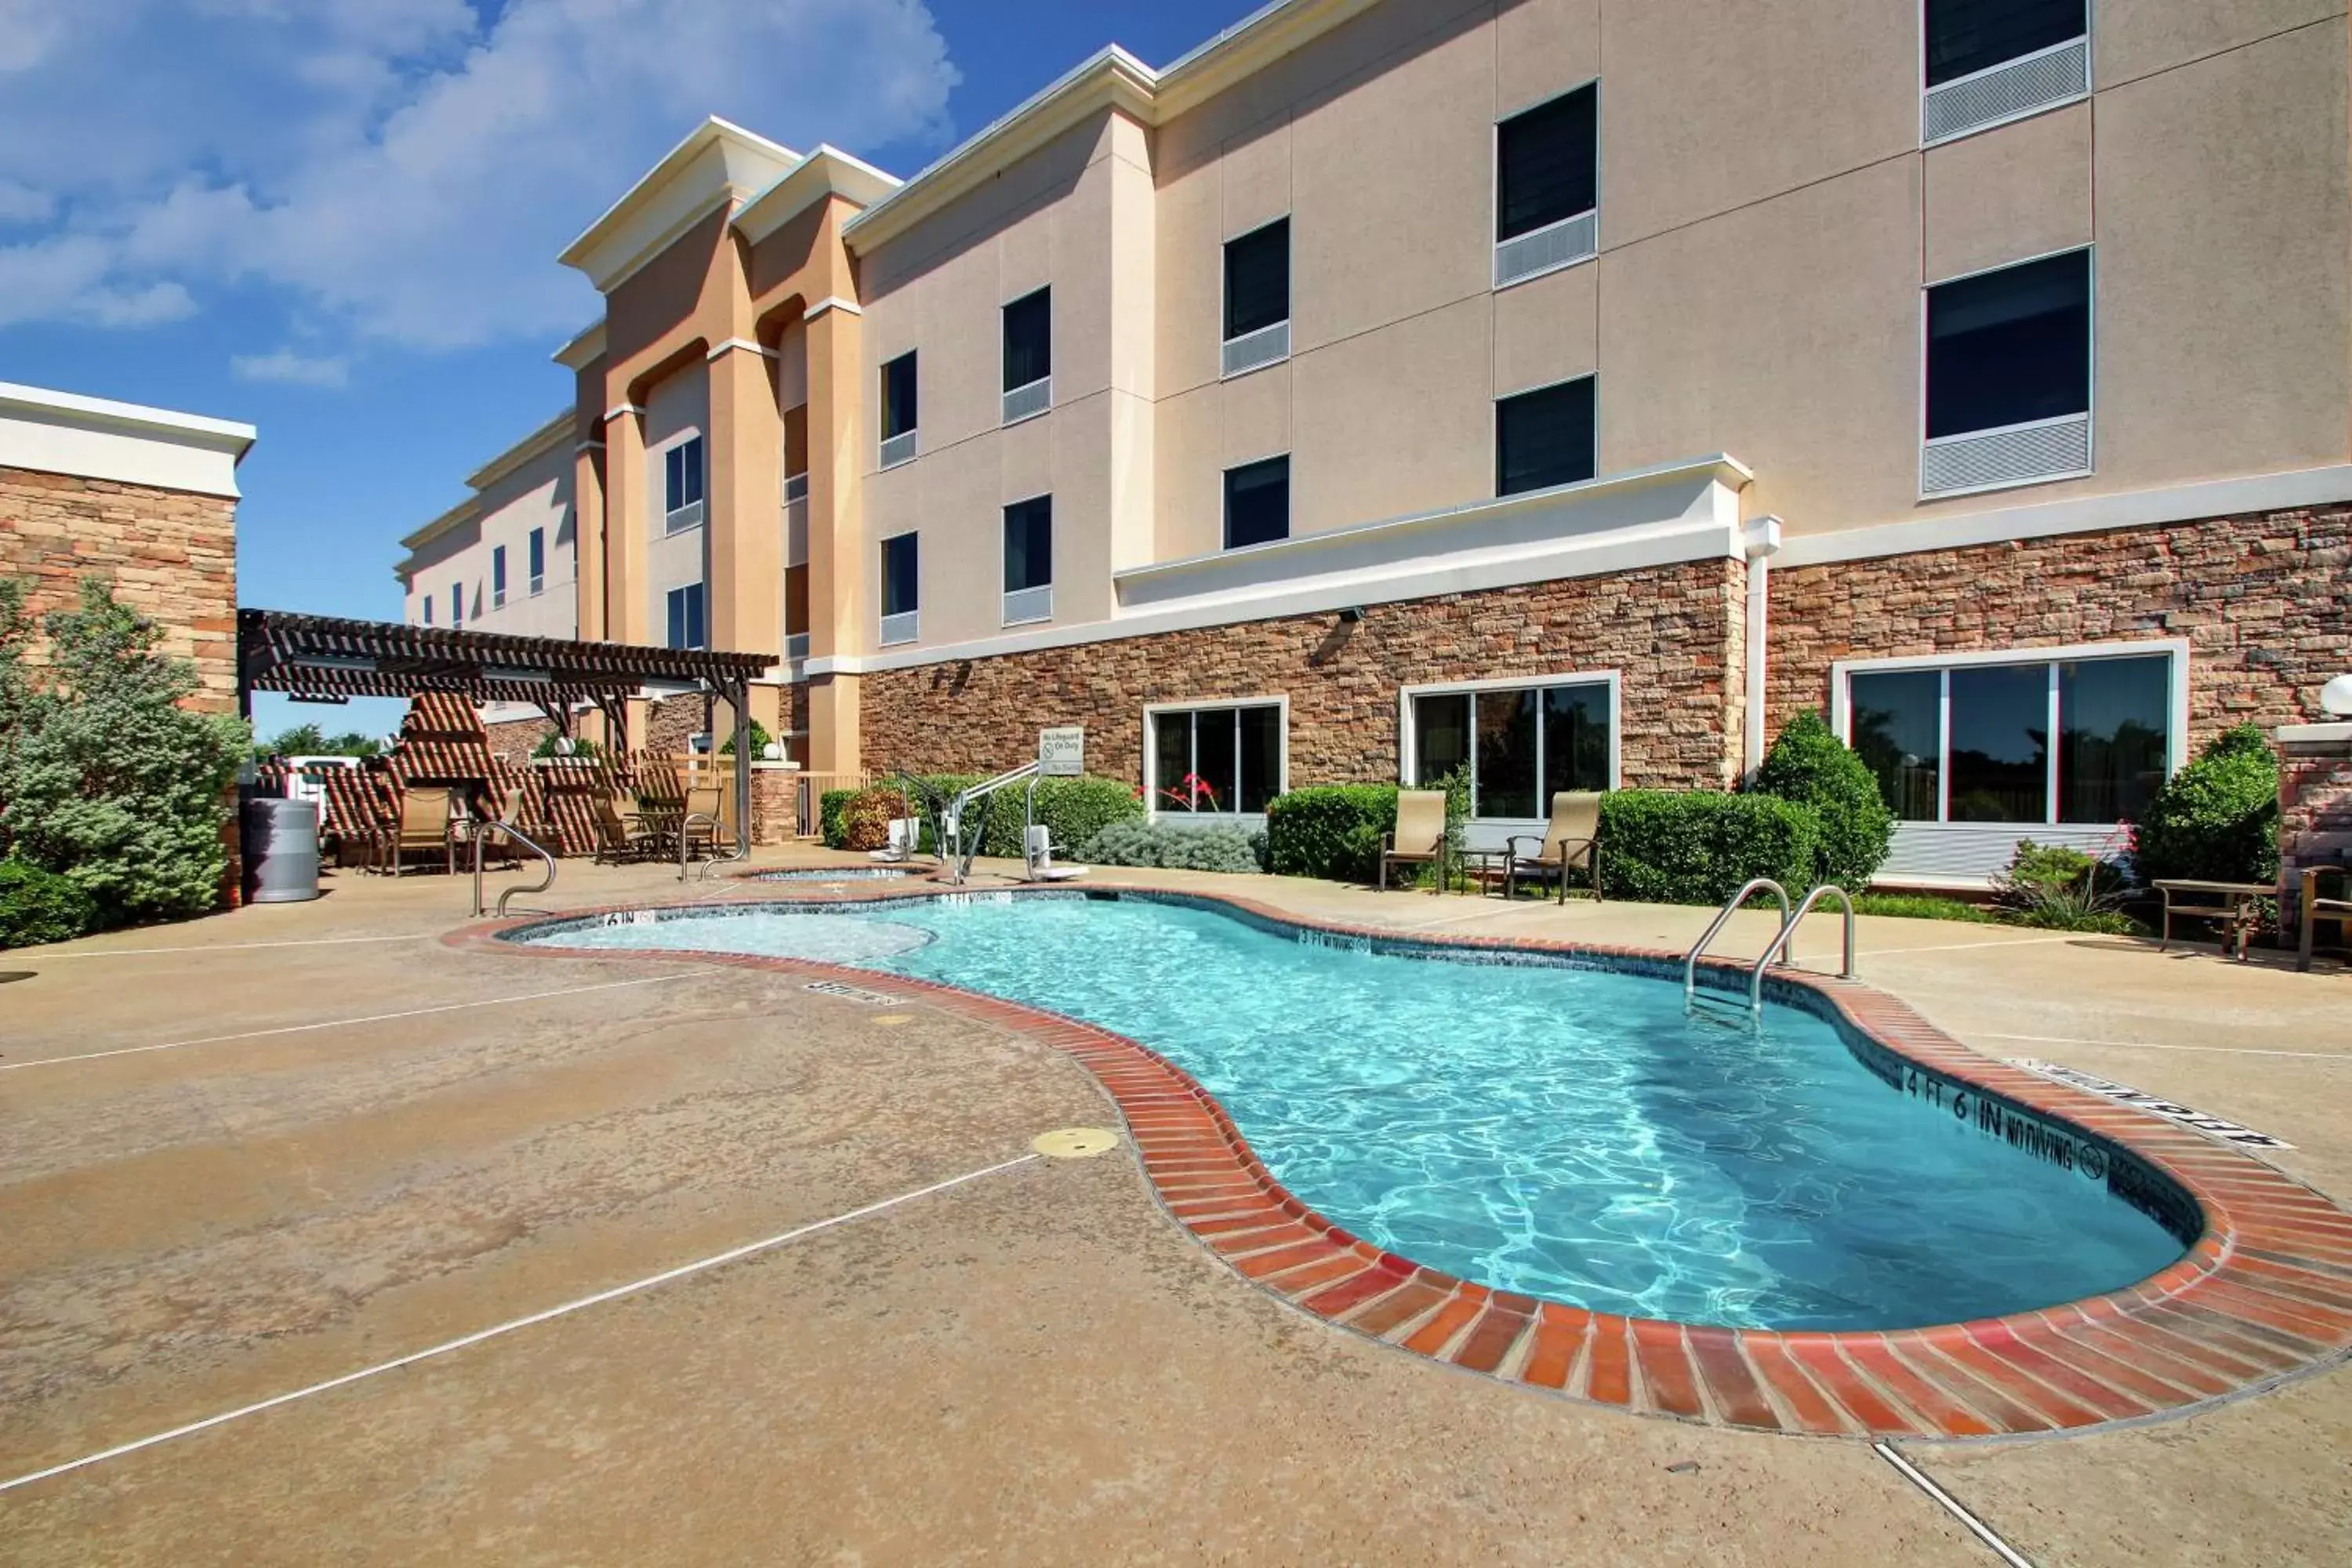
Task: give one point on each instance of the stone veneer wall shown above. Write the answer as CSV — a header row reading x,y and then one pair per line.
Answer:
x,y
2265,600
171,556
1674,634
2315,816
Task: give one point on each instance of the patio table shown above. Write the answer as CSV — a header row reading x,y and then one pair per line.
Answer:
x,y
2238,906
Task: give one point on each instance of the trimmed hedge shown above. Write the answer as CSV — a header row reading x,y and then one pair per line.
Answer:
x,y
830,808
2217,819
1331,831
38,906
1662,847
1810,766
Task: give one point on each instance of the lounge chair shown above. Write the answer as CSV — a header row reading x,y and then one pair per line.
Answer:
x,y
426,824
1419,836
1571,842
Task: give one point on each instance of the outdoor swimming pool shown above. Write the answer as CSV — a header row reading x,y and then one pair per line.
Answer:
x,y
1565,1132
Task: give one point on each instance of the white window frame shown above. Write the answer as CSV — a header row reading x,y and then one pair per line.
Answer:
x,y
1151,711
498,577
1290,279
1494,190
2090,439
895,451
703,586
537,580
2175,743
1012,403
1919,65
687,518
1408,735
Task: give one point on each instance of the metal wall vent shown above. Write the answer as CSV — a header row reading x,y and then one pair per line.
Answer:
x,y
899,628
1026,604
898,448
1548,249
1028,402
2026,85
1263,347
2016,455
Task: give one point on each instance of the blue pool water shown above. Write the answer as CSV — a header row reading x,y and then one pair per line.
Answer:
x,y
1571,1133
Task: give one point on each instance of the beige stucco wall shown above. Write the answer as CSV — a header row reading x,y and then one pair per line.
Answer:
x,y
677,409
537,493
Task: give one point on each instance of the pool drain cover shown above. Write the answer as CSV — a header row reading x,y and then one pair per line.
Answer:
x,y
1074,1143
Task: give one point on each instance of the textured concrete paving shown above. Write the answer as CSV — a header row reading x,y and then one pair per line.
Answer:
x,y
1036,1364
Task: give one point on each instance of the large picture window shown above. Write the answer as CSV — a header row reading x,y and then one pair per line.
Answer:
x,y
1222,760
2074,741
1523,745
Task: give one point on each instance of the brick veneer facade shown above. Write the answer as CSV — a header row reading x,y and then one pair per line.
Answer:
x,y
171,556
2265,600
1675,635
2315,816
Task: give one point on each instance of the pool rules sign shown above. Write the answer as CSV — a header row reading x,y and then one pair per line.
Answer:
x,y
1062,754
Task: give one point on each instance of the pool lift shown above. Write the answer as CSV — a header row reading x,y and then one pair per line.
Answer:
x,y
949,814
1780,948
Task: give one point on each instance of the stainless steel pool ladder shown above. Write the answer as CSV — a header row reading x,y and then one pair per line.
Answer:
x,y
518,835
1723,918
1780,945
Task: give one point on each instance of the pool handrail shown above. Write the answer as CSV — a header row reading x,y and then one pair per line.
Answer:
x,y
1788,934
1723,917
518,835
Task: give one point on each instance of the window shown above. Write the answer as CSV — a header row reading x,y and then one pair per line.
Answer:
x,y
2009,347
499,577
686,629
1522,744
898,410
1544,437
1029,561
1971,743
682,486
1547,164
427,603
1965,37
1257,298
456,604
901,588
1029,340
1215,760
1257,502
796,454
538,561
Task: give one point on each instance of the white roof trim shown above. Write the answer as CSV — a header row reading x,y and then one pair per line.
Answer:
x,y
718,166
129,443
584,346
826,172
544,439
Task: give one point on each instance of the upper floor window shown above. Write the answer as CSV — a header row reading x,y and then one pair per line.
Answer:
x,y
796,454
1993,60
1257,298
1544,437
1548,186
497,577
682,486
1971,741
1028,355
2007,377
898,410
456,604
538,561
901,588
1029,561
685,607
427,603
1257,502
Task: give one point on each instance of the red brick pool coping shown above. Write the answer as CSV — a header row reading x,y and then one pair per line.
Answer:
x,y
2264,1295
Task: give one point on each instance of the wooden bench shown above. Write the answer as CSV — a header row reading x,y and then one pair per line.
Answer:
x,y
2315,909
2238,906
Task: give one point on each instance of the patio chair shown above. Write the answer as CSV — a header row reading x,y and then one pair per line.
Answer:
x,y
621,835
1419,836
424,825
1571,842
713,836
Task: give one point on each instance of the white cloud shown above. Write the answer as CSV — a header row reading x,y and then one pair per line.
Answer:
x,y
24,205
391,163
295,370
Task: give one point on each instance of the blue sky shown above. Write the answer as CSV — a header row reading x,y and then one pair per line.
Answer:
x,y
338,219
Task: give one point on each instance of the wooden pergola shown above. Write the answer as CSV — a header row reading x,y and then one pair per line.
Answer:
x,y
327,658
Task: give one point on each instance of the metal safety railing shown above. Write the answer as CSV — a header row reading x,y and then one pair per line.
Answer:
x,y
1723,918
1780,943
517,835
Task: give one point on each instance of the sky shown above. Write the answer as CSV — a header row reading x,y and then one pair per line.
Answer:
x,y
337,220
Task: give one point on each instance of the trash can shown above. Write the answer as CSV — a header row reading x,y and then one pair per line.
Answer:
x,y
281,850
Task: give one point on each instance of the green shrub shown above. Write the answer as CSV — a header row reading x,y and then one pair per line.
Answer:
x,y
104,777
1662,847
759,740
582,749
2216,820
38,906
1178,846
1923,907
867,818
2058,887
1811,766
1331,831
830,808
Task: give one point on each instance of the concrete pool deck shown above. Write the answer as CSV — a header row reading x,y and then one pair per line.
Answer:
x,y
368,1143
